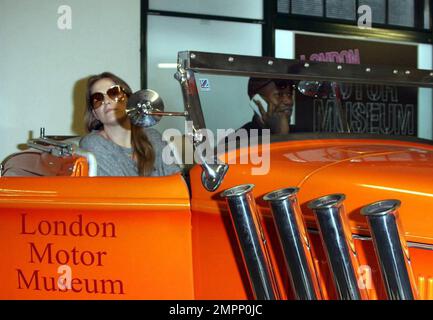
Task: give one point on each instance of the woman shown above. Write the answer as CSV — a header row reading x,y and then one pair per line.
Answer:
x,y
120,148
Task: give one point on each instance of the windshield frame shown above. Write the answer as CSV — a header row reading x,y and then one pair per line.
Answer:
x,y
192,62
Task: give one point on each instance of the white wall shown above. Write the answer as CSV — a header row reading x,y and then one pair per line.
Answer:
x,y
42,68
285,44
180,34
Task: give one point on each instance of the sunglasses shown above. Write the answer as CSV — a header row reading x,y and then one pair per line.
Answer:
x,y
115,93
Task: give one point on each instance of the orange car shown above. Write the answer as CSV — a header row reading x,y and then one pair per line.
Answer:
x,y
335,215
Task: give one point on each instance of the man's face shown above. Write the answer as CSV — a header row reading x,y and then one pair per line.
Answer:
x,y
280,99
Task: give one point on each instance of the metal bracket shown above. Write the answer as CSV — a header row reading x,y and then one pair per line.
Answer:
x,y
56,148
51,146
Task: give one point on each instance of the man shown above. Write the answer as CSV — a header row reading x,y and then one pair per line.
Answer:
x,y
273,108
278,95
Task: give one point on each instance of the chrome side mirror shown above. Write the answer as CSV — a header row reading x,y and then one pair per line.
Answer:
x,y
316,89
145,108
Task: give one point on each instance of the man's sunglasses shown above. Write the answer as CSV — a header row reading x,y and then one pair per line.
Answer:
x,y
115,93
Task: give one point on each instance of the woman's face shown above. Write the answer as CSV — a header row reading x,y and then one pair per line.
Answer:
x,y
109,112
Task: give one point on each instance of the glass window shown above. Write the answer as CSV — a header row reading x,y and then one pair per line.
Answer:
x,y
404,102
341,9
426,14
401,13
360,109
378,9
226,106
251,9
168,35
308,7
283,6
392,13
239,110
285,44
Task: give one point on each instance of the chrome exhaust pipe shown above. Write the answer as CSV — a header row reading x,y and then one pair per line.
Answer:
x,y
338,245
294,241
391,249
252,242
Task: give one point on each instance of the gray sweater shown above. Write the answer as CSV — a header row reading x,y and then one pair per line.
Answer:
x,y
115,160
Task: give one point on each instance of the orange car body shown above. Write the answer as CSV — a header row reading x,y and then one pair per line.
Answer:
x,y
154,238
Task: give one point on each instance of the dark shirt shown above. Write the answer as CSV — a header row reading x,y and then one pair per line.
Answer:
x,y
255,123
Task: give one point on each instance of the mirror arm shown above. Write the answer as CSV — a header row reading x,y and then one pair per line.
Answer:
x,y
166,113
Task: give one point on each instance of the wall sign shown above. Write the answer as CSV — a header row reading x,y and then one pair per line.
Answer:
x,y
379,109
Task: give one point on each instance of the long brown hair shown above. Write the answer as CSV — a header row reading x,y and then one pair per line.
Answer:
x,y
143,150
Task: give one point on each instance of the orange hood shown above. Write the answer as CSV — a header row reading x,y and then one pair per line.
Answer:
x,y
364,170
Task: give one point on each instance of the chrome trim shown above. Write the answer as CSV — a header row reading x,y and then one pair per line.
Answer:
x,y
338,245
294,240
59,148
166,113
190,94
391,249
145,108
213,173
417,245
420,246
251,239
54,147
252,66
